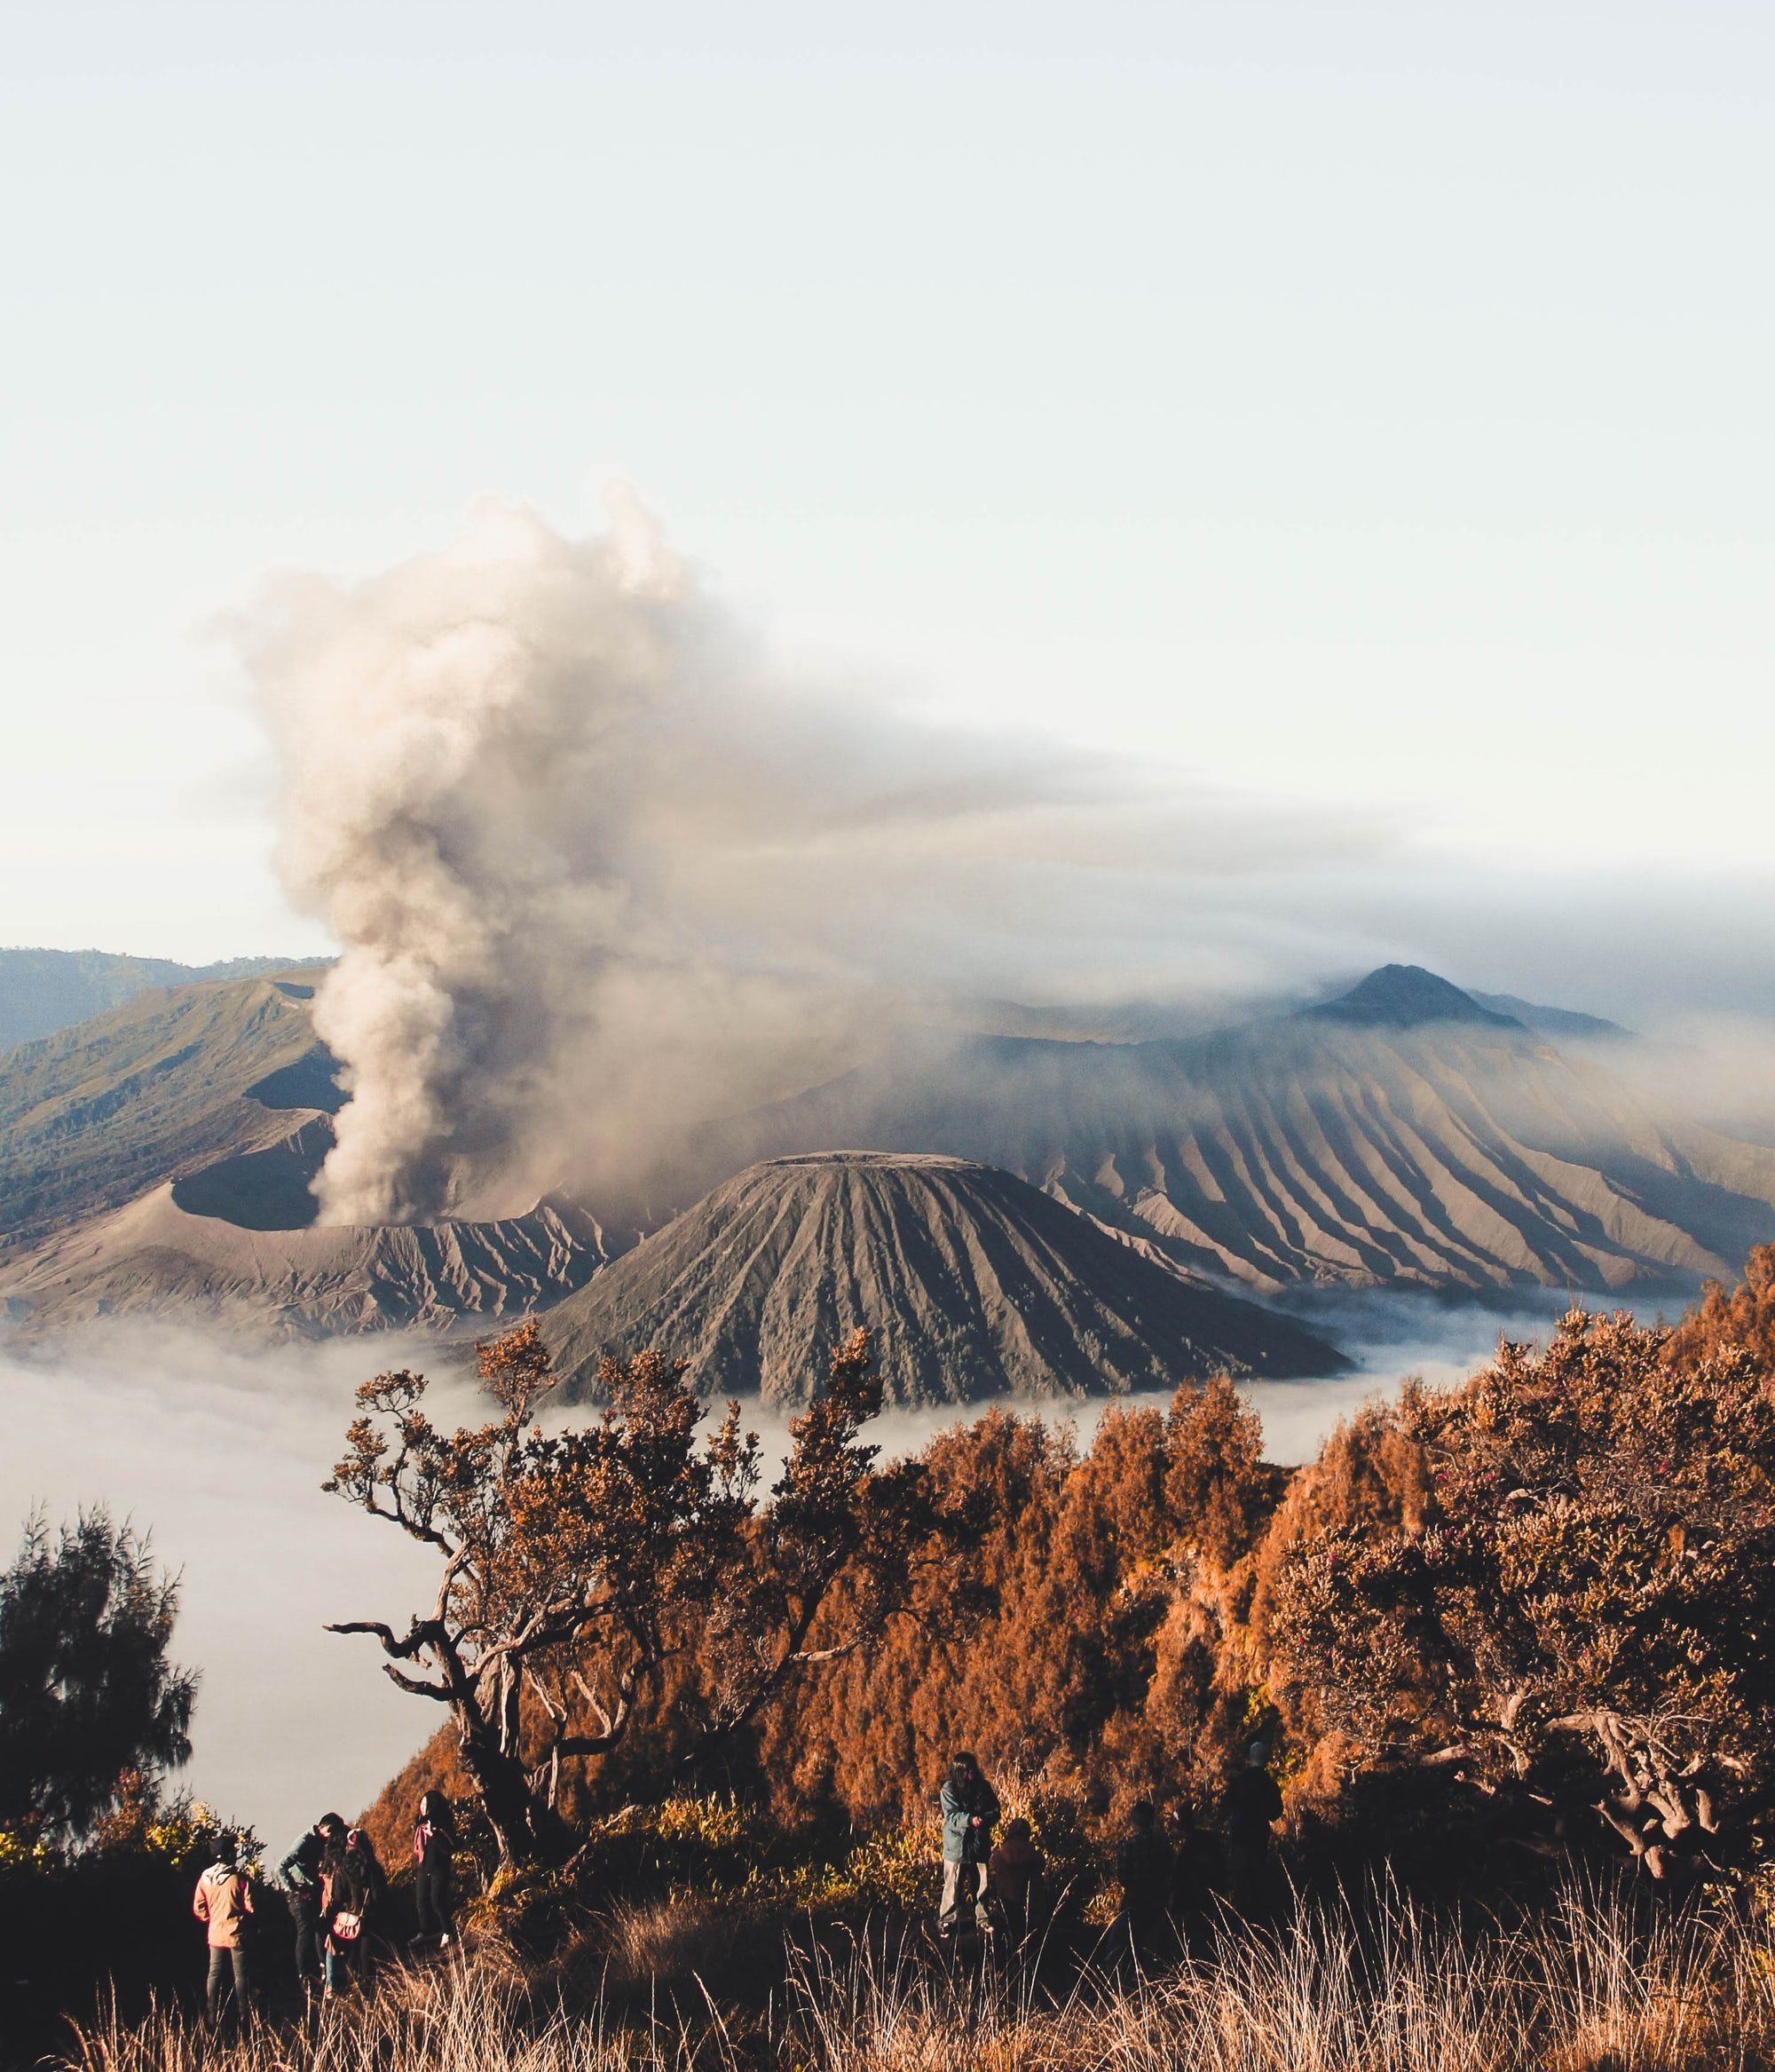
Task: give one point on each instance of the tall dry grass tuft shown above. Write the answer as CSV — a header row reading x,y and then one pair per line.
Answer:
x,y
666,1942
1591,1987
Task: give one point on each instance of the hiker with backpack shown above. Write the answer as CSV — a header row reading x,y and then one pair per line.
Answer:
x,y
354,1889
434,1841
299,1875
224,1903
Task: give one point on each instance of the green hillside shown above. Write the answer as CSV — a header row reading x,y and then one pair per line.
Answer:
x,y
93,1116
41,991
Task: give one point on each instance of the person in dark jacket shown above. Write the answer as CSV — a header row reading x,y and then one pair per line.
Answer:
x,y
1018,1872
354,1887
1249,1808
1191,1876
299,1875
434,1840
970,1812
1144,1867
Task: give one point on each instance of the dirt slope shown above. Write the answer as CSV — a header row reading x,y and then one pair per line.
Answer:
x,y
94,1116
155,1161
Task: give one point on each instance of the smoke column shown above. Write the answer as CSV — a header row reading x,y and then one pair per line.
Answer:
x,y
458,739
597,871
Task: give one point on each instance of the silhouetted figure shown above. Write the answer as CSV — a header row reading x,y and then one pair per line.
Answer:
x,y
970,1812
1143,1865
1019,1881
299,1875
1192,1871
434,1840
1250,1808
223,1903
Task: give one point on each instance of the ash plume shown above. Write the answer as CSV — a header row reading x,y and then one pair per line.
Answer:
x,y
598,871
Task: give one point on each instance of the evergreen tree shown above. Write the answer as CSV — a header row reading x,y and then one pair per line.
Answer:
x,y
86,1691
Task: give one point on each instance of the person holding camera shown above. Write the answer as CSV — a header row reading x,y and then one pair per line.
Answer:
x,y
970,1813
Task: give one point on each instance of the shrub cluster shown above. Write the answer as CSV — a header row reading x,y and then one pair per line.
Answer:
x,y
1488,1628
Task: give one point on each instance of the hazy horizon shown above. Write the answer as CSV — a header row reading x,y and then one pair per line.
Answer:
x,y
1344,426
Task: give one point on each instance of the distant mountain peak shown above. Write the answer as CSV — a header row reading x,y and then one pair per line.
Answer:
x,y
1403,996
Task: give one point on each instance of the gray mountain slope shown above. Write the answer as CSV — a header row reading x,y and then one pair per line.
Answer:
x,y
155,1161
1412,1136
1557,1024
1446,1146
975,1285
155,1259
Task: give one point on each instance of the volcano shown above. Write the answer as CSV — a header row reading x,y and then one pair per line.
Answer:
x,y
974,1284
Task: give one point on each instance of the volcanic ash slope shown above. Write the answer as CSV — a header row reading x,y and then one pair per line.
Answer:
x,y
157,1259
1401,1135
974,1284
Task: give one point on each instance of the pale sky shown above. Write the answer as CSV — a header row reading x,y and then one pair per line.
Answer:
x,y
1364,404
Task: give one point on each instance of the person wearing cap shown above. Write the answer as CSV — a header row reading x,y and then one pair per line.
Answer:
x,y
1250,1808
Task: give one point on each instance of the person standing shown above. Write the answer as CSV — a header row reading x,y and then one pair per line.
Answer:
x,y
354,1887
970,1812
434,1841
1250,1808
1192,1880
1018,1872
223,1903
1144,1866
299,1875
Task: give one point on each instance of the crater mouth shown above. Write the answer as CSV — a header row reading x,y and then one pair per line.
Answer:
x,y
268,1189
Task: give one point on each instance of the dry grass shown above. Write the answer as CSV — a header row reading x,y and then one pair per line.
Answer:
x,y
1589,1990
665,1942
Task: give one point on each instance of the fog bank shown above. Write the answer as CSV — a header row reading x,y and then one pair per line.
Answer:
x,y
220,1454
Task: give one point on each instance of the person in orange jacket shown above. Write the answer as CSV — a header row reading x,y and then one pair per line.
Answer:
x,y
223,1903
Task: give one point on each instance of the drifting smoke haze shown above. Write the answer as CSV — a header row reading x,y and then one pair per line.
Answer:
x,y
603,871
598,871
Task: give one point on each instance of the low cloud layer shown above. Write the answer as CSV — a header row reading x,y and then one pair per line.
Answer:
x,y
598,870
220,1454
